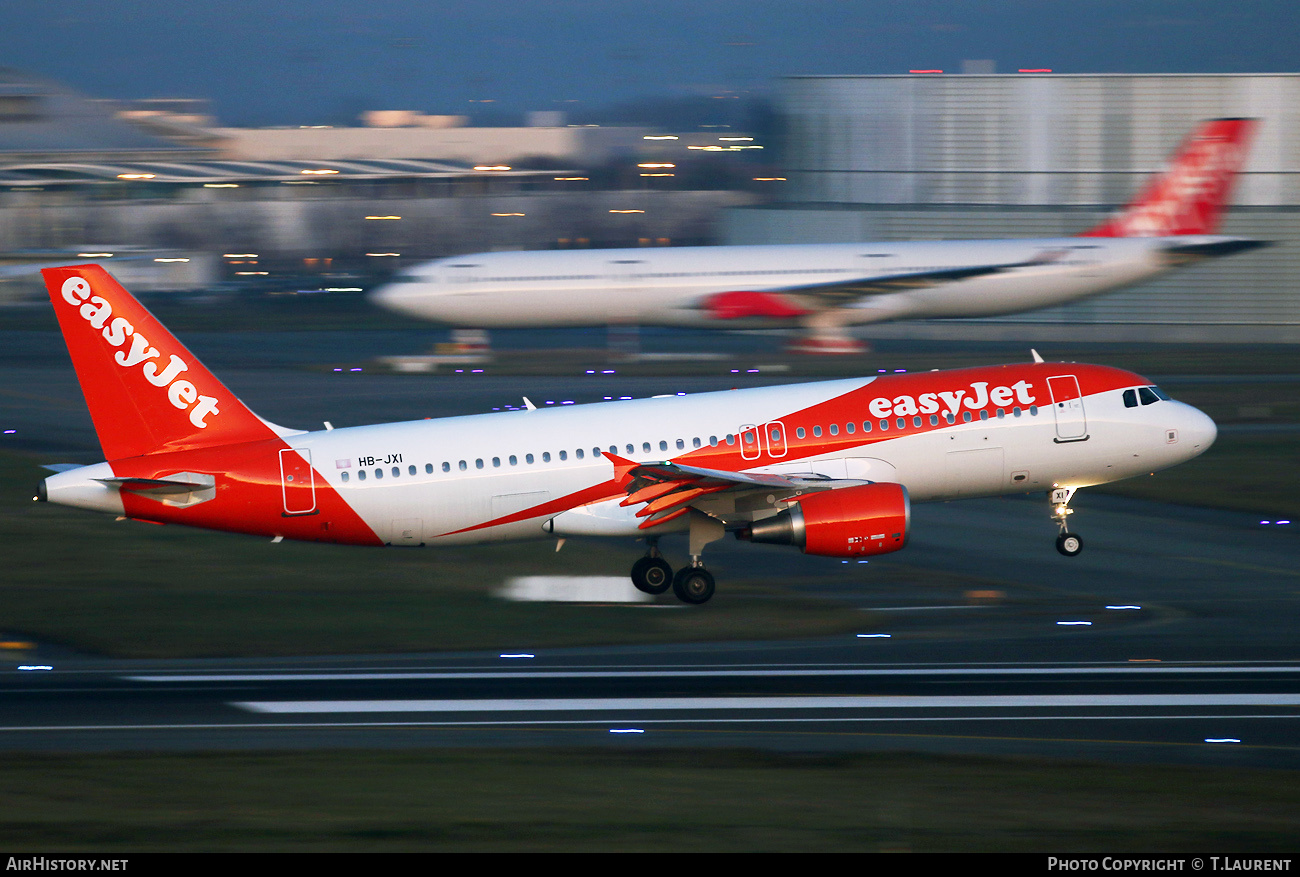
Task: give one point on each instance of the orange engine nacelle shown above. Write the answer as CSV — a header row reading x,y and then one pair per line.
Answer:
x,y
846,522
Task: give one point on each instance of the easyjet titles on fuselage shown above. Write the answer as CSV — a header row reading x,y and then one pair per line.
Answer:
x,y
930,403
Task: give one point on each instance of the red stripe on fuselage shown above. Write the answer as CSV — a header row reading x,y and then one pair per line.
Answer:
x,y
855,407
597,493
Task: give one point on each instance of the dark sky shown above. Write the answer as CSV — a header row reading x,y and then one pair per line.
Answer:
x,y
323,61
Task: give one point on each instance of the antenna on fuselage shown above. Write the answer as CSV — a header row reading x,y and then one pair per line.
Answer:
x,y
1037,358
528,403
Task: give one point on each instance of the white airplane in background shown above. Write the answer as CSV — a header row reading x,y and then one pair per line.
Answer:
x,y
828,467
826,288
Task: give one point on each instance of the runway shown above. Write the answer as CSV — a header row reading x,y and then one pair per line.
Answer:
x,y
1238,714
1171,638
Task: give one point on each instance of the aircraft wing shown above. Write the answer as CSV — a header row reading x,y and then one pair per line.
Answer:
x,y
805,299
666,490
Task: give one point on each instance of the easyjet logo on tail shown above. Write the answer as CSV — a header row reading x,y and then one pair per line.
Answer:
x,y
1192,189
98,312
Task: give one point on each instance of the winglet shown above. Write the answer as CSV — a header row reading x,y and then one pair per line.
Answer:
x,y
1189,196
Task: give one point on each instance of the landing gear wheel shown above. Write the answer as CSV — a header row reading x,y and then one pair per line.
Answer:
x,y
693,584
652,575
1069,544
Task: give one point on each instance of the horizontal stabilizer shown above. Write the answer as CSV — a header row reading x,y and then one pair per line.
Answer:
x,y
1181,254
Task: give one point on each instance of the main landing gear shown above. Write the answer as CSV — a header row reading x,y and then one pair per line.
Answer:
x,y
1069,544
652,573
693,584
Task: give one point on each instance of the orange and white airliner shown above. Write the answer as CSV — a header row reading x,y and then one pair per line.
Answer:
x,y
828,467
825,288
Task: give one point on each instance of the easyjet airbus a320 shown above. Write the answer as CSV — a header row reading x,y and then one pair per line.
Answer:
x,y
830,468
825,288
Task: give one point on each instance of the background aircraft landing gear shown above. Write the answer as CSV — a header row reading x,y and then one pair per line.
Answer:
x,y
1069,544
693,584
652,574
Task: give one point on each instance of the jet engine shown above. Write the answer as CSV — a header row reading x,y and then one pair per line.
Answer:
x,y
845,522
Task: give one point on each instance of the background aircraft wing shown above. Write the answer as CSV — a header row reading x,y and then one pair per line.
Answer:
x,y
802,300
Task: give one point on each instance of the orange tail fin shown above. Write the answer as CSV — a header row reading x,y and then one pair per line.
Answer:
x,y
145,391
1189,196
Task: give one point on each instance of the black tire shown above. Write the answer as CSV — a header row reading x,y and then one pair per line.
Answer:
x,y
1069,544
693,584
652,575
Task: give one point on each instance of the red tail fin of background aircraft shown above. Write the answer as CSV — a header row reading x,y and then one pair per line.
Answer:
x,y
1189,196
145,391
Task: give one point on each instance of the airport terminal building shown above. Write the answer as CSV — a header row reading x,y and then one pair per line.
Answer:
x,y
928,156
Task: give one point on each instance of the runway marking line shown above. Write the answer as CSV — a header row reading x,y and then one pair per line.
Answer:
x,y
774,702
1246,566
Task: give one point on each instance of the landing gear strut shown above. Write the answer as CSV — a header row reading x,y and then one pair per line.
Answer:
x,y
1069,544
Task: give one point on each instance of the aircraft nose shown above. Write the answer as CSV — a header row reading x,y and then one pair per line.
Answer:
x,y
391,297
1199,431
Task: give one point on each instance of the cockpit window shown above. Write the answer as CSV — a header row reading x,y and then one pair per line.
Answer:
x,y
1144,396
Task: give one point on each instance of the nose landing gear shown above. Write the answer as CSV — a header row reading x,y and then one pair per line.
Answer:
x,y
1069,544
